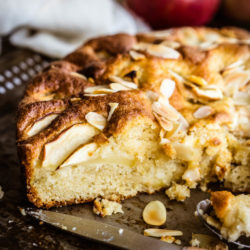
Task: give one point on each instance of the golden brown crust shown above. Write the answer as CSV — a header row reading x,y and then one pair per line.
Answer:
x,y
87,56
221,202
56,83
32,112
60,89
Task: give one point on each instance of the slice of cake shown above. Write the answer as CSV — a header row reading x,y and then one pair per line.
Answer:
x,y
233,213
126,114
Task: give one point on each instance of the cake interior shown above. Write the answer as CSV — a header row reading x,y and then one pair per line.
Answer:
x,y
132,161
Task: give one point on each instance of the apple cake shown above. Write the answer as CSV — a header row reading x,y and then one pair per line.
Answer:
x,y
233,213
125,114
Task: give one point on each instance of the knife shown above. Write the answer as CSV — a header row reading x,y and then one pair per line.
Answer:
x,y
102,232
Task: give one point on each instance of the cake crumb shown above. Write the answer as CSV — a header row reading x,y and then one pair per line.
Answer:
x,y
194,243
105,207
177,242
178,192
168,239
232,214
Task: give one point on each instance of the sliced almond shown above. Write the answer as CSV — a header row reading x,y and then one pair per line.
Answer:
x,y
237,79
171,44
79,75
234,65
167,88
113,107
163,51
165,111
227,72
189,84
232,40
241,98
197,80
177,76
118,87
183,122
154,213
41,124
158,50
95,89
136,55
211,36
164,123
127,84
208,93
208,45
82,154
94,94
203,112
96,120
188,36
157,232
161,34
56,151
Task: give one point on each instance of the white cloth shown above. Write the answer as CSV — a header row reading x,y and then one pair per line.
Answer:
x,y
60,26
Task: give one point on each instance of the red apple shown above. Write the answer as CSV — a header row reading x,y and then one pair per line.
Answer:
x,y
166,13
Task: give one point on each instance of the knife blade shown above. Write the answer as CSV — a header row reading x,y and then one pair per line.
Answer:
x,y
99,231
